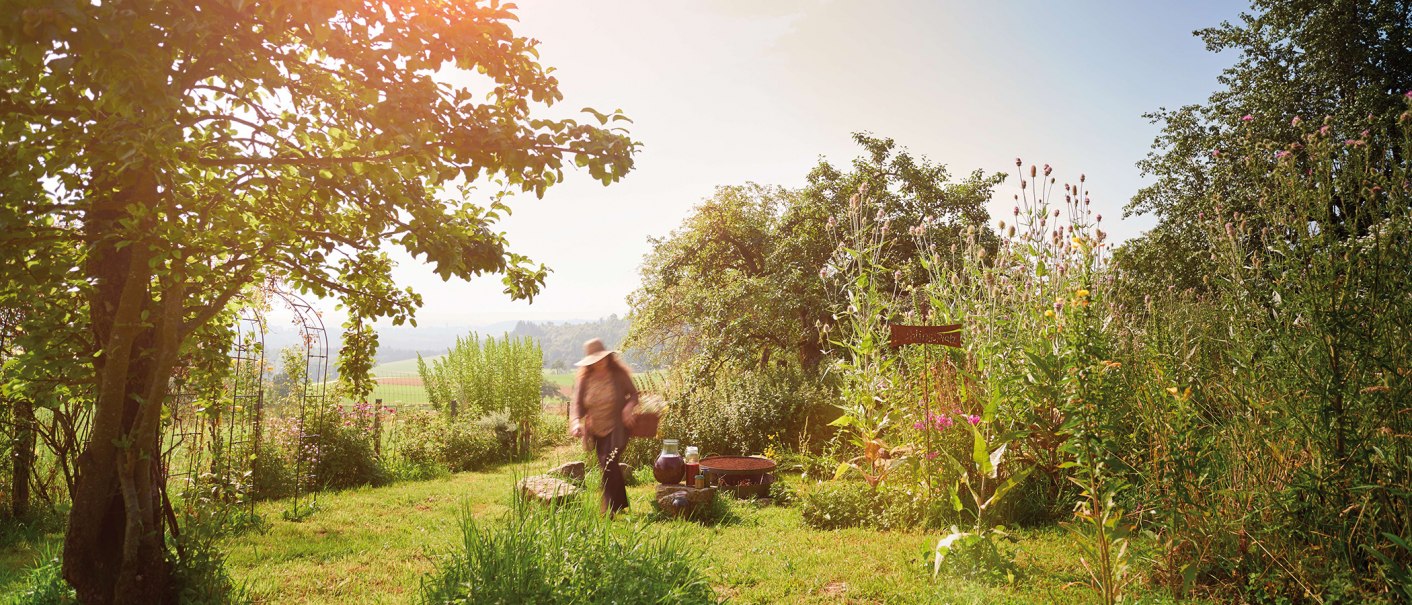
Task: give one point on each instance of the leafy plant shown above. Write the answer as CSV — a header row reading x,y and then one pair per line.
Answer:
x,y
565,554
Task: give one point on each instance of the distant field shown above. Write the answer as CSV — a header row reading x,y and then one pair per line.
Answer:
x,y
398,383
405,367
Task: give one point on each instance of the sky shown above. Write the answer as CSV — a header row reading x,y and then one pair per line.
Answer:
x,y
729,92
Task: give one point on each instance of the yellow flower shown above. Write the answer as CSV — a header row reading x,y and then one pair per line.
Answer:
x,y
1081,292
1078,240
1049,312
1173,390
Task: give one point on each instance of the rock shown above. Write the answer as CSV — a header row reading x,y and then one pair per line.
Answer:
x,y
548,490
679,500
569,470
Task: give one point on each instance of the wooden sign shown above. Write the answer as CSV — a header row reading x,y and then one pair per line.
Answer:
x,y
948,335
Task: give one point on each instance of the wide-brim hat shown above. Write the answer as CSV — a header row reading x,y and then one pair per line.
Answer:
x,y
593,352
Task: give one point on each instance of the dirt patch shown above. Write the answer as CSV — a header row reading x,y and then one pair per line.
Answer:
x,y
404,381
834,589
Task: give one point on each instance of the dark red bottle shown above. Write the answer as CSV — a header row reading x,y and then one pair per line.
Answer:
x,y
670,467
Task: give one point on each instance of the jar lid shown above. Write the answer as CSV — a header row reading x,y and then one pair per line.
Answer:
x,y
670,441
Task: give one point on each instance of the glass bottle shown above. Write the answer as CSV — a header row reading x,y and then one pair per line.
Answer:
x,y
669,468
693,461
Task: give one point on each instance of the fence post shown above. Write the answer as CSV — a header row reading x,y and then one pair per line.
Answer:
x,y
377,427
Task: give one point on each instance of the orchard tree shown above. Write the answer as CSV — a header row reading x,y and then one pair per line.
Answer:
x,y
1345,60
739,281
184,151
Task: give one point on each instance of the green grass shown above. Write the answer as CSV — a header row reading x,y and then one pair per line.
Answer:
x,y
374,546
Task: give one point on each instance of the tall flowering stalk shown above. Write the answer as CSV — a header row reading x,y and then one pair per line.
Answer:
x,y
860,331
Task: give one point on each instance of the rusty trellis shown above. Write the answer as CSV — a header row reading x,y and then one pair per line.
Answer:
x,y
948,335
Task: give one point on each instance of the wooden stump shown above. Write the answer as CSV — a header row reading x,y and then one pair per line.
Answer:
x,y
682,500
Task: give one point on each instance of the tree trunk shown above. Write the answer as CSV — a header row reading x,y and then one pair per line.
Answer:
x,y
24,456
114,551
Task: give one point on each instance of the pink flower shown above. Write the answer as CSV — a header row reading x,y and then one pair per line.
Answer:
x,y
1324,130
1295,121
1282,154
1247,117
1408,94
973,419
932,455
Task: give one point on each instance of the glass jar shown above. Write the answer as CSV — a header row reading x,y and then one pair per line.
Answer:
x,y
669,468
693,462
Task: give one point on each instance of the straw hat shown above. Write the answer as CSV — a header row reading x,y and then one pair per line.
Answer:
x,y
593,351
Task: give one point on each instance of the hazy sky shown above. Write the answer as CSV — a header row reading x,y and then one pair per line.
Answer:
x,y
728,92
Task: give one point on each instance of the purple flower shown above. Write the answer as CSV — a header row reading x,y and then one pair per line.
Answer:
x,y
973,419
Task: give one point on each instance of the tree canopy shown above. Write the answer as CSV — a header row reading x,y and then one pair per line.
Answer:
x,y
1347,61
163,158
739,281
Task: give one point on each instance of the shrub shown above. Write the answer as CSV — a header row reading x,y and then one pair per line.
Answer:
x,y
199,575
271,474
340,453
565,555
428,444
739,412
839,504
470,448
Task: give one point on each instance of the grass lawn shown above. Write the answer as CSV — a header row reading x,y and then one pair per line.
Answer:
x,y
374,545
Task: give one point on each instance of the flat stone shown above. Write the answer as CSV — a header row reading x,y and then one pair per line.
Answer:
x,y
679,500
570,470
548,490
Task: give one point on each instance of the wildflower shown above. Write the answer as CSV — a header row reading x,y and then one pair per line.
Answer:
x,y
1078,240
1173,390
1049,313
1281,154
897,275
1081,292
1324,130
1215,153
1018,162
932,455
973,419
1408,94
824,273
1056,213
1098,218
1247,117
1047,170
1017,211
1295,121
833,222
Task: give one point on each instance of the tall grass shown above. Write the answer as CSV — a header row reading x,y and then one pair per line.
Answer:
x,y
565,554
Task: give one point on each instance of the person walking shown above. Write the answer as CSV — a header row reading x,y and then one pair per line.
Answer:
x,y
601,410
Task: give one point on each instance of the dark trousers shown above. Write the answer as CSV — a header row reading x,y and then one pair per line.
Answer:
x,y
610,452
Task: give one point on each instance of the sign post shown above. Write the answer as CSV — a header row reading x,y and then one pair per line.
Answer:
x,y
948,335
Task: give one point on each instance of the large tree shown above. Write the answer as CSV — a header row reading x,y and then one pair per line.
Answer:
x,y
738,282
188,150
1347,60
